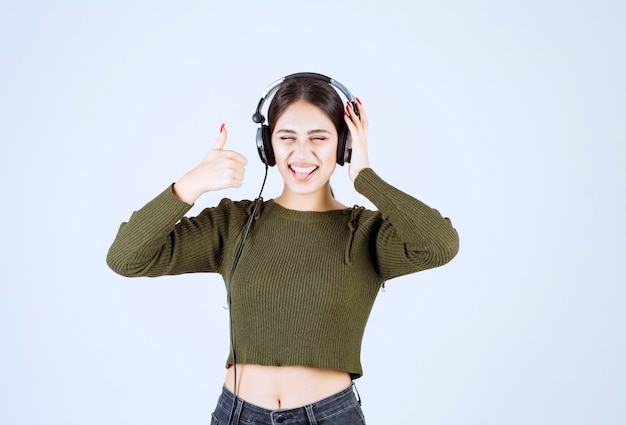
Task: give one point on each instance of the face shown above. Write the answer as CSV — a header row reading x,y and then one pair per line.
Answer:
x,y
305,148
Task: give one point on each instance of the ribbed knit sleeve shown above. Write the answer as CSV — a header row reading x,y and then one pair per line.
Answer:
x,y
410,236
159,240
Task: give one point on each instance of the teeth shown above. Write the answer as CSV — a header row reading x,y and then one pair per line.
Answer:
x,y
303,169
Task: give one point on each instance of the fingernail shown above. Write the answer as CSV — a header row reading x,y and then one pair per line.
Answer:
x,y
222,127
358,100
349,104
346,114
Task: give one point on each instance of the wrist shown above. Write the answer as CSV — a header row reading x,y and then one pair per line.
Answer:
x,y
184,191
354,170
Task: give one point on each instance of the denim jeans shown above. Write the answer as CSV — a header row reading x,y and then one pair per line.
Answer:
x,y
342,408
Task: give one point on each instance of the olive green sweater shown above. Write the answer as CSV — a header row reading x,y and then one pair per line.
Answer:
x,y
306,281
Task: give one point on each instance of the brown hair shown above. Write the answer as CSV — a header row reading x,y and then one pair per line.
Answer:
x,y
311,90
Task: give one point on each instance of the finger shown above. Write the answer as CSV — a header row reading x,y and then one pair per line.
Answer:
x,y
221,139
358,116
235,156
361,110
236,176
348,119
352,119
236,182
352,113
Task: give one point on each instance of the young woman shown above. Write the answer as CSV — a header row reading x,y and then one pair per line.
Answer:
x,y
302,285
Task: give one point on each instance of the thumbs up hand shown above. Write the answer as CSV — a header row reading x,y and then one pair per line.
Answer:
x,y
220,169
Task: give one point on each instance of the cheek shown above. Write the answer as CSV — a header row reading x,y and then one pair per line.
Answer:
x,y
330,150
280,149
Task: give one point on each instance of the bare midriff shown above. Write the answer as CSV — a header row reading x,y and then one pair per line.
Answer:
x,y
285,387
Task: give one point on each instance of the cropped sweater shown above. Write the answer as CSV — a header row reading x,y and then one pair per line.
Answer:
x,y
306,282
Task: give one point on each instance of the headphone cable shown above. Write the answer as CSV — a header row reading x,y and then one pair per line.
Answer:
x,y
257,202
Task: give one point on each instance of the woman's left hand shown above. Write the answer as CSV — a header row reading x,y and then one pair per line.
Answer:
x,y
357,124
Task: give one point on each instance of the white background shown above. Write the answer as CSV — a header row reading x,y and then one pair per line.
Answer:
x,y
507,116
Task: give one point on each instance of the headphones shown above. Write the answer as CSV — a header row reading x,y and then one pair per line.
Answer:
x,y
264,137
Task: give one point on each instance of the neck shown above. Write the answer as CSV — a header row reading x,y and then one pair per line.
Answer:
x,y
322,200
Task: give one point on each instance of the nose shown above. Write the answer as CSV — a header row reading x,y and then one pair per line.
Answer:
x,y
301,149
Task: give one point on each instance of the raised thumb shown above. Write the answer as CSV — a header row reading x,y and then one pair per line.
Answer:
x,y
221,139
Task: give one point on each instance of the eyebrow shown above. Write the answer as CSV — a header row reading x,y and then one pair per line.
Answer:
x,y
284,130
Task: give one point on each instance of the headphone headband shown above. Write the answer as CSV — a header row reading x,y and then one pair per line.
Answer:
x,y
258,118
264,138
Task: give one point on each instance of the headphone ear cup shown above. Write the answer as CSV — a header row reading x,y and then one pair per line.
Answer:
x,y
264,145
344,147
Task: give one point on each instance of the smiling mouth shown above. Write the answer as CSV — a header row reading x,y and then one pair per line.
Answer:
x,y
302,173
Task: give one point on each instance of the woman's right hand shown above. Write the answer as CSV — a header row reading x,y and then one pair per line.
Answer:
x,y
220,169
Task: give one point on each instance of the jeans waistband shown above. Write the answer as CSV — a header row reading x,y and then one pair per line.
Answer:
x,y
311,412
